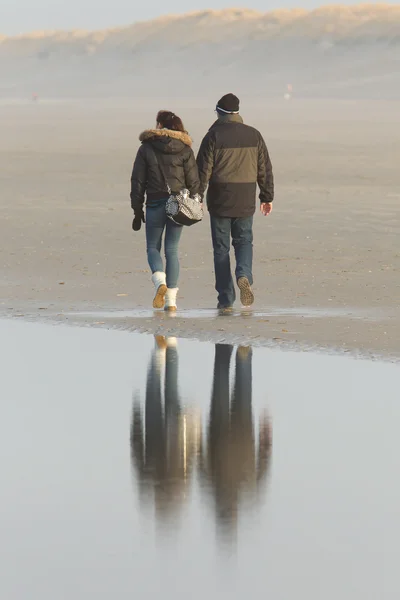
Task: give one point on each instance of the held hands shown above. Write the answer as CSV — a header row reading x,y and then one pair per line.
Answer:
x,y
138,219
266,208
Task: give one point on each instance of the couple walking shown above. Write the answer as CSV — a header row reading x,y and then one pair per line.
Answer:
x,y
233,159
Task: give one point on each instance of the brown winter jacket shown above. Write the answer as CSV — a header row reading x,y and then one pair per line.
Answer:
x,y
233,159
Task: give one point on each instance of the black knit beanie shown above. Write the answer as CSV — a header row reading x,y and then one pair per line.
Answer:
x,y
229,104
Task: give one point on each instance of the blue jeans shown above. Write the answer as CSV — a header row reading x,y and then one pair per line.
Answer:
x,y
156,222
241,230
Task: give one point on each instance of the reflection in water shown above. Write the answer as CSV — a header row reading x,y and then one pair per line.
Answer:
x,y
164,446
329,529
233,464
163,455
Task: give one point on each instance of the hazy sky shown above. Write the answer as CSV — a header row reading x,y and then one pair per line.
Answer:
x,y
20,16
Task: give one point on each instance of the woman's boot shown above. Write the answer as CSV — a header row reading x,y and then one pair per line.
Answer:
x,y
170,299
159,280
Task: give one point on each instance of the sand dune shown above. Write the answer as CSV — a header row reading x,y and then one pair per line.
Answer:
x,y
373,22
334,50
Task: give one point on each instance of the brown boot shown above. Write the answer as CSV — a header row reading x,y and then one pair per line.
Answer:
x,y
246,293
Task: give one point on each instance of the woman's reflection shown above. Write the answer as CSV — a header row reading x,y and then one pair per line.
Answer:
x,y
163,448
233,464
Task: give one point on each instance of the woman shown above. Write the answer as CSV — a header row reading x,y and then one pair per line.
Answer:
x,y
170,146
165,436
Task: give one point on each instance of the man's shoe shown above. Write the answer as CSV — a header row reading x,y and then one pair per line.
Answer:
x,y
246,293
225,310
243,352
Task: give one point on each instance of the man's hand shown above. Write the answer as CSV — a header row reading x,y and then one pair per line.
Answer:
x,y
266,208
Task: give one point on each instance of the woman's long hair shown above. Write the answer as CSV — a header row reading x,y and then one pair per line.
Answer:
x,y
169,120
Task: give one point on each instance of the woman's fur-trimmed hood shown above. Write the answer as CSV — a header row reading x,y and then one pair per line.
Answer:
x,y
181,136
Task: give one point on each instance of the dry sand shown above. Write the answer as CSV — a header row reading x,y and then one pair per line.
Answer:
x,y
326,262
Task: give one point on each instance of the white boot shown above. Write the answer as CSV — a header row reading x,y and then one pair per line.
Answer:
x,y
170,299
159,280
159,356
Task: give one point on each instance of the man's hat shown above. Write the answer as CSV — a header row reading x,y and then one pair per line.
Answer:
x,y
229,104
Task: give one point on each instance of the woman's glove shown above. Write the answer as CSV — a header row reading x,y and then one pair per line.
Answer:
x,y
138,219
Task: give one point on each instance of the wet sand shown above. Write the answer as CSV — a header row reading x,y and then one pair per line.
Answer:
x,y
86,512
326,262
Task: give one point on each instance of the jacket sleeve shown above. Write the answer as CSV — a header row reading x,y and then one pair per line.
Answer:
x,y
205,161
265,177
138,180
191,174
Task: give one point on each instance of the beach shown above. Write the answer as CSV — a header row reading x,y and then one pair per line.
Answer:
x,y
199,457
326,261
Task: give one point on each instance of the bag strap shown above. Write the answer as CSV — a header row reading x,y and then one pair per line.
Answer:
x,y
162,171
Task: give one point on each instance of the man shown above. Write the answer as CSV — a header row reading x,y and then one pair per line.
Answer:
x,y
234,463
232,160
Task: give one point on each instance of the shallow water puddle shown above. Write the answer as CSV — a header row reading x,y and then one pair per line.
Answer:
x,y
207,313
134,467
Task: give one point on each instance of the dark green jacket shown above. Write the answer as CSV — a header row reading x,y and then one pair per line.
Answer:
x,y
174,151
232,160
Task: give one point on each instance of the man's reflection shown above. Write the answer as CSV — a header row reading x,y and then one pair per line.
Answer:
x,y
163,448
233,463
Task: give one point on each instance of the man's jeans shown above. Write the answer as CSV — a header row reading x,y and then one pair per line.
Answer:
x,y
241,230
156,223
